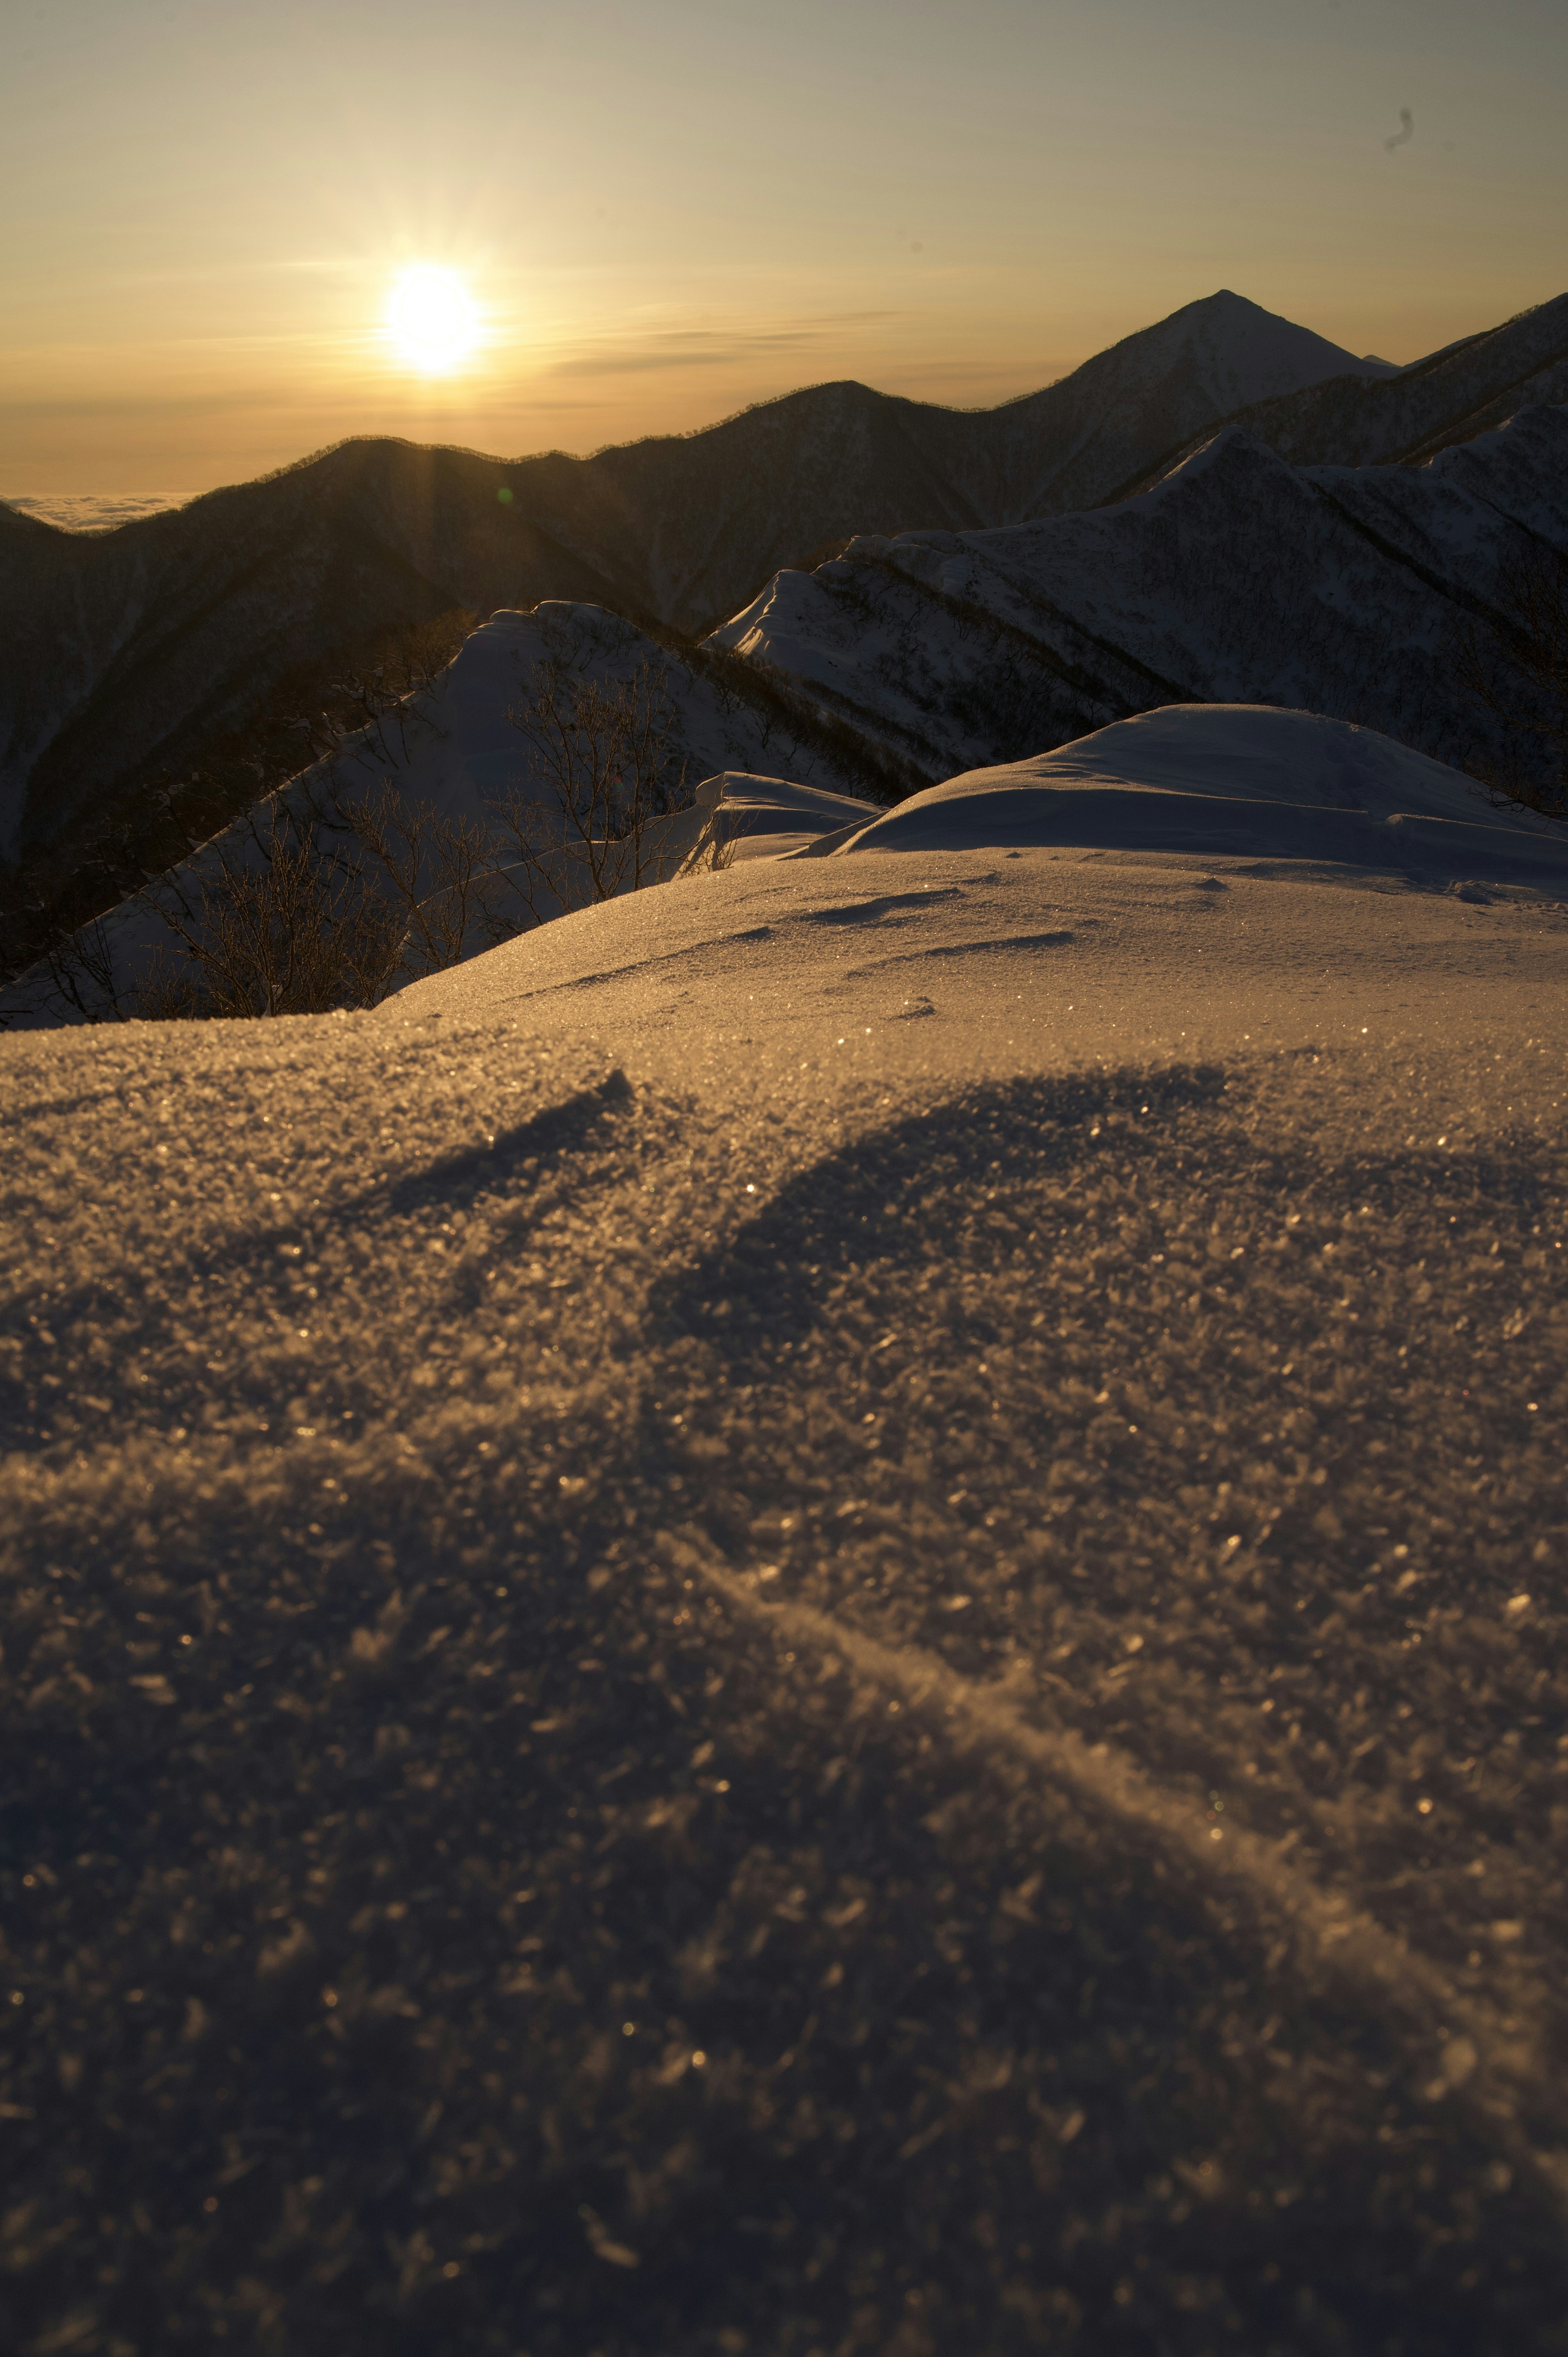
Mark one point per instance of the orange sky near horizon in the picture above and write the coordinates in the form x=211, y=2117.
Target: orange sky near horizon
x=663, y=213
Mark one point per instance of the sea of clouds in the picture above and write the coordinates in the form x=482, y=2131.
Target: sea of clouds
x=94, y=510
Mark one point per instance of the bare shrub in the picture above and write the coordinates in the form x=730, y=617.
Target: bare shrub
x=377, y=696
x=606, y=756
x=227, y=766
x=714, y=848
x=438, y=872
x=295, y=930
x=81, y=969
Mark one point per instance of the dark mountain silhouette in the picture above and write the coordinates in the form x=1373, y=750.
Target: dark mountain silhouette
x=1451, y=396
x=165, y=644
x=180, y=650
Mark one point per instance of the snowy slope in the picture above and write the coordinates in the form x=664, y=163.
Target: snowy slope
x=1224, y=841
x=1237, y=578
x=455, y=752
x=826, y=1612
x=1468, y=388
x=1081, y=440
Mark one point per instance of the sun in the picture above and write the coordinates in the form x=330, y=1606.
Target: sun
x=433, y=320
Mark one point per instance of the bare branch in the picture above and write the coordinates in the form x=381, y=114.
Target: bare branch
x=605, y=754
x=295, y=930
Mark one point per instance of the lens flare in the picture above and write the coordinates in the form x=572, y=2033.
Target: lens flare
x=434, y=323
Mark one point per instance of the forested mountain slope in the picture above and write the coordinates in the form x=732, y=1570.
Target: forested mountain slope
x=1351, y=591
x=188, y=638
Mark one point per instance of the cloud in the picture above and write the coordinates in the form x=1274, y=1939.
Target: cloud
x=96, y=512
x=635, y=363
x=1406, y=129
x=677, y=347
x=131, y=405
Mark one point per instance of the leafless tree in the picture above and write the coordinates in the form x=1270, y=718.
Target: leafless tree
x=438, y=872
x=1517, y=676
x=81, y=969
x=606, y=756
x=286, y=929
x=379, y=698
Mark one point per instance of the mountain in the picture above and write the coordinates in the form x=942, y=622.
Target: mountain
x=1239, y=578
x=184, y=640
x=1350, y=593
x=453, y=751
x=1406, y=416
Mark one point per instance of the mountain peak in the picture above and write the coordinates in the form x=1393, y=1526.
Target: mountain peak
x=1250, y=354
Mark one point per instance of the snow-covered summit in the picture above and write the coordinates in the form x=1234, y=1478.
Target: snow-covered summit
x=1238, y=352
x=1375, y=415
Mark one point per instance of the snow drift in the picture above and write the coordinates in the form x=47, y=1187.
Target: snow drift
x=1232, y=780
x=765, y=1625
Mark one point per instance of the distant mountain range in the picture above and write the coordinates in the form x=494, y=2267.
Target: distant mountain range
x=186, y=642
x=146, y=647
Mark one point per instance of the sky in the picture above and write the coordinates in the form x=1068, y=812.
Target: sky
x=661, y=210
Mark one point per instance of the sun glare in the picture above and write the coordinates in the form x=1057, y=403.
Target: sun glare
x=434, y=323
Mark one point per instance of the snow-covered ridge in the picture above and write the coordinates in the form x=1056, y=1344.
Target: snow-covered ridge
x=128, y=652
x=454, y=752
x=1237, y=579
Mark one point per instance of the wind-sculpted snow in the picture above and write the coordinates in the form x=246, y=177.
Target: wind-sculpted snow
x=1232, y=780
x=1248, y=753
x=799, y=1684
x=766, y=818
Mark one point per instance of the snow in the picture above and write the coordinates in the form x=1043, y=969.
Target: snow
x=1053, y=945
x=1237, y=578
x=763, y=818
x=1231, y=778
x=455, y=751
x=823, y=1611
x=1241, y=353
